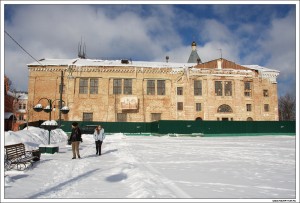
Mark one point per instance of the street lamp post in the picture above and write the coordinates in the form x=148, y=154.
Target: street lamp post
x=51, y=125
x=61, y=88
x=48, y=109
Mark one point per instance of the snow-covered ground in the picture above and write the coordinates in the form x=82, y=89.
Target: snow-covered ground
x=258, y=168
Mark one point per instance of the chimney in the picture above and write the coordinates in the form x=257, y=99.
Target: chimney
x=219, y=64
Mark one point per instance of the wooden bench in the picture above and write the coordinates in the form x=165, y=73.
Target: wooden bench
x=15, y=155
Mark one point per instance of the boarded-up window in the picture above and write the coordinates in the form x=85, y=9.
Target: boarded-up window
x=121, y=117
x=155, y=116
x=266, y=107
x=87, y=117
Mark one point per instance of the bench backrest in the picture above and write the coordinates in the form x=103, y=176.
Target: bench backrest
x=15, y=150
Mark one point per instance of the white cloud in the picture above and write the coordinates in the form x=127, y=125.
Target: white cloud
x=213, y=30
x=280, y=41
x=145, y=33
x=218, y=36
x=212, y=51
x=277, y=50
x=54, y=31
x=179, y=54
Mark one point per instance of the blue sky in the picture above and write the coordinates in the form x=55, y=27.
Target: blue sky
x=261, y=34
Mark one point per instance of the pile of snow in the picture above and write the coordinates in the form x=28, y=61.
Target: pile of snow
x=65, y=108
x=33, y=137
x=38, y=106
x=52, y=122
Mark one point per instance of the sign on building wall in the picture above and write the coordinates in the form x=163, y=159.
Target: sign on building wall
x=129, y=103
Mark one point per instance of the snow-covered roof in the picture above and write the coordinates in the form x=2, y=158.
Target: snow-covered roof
x=53, y=62
x=99, y=62
x=260, y=68
x=18, y=95
x=23, y=96
x=128, y=63
x=11, y=93
x=21, y=111
x=7, y=115
x=271, y=74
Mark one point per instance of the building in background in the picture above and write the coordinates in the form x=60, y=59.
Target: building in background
x=9, y=117
x=21, y=107
x=15, y=107
x=141, y=91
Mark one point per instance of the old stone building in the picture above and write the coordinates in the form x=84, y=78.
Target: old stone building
x=139, y=91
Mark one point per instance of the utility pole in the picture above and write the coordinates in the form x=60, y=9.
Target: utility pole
x=61, y=88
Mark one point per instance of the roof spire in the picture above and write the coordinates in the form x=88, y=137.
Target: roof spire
x=81, y=50
x=221, y=52
x=194, y=57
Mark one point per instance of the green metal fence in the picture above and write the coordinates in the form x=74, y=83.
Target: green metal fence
x=114, y=127
x=205, y=128
x=211, y=128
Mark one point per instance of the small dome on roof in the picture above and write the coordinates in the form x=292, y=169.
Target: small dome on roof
x=194, y=43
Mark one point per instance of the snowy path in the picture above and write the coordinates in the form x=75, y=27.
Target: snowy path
x=163, y=167
x=68, y=178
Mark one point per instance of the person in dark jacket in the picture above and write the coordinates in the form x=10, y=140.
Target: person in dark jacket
x=75, y=138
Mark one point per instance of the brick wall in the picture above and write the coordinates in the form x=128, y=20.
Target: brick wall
x=105, y=105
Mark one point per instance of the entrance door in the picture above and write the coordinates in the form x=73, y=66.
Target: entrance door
x=225, y=119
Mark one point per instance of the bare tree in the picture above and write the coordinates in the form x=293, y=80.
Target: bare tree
x=9, y=83
x=287, y=108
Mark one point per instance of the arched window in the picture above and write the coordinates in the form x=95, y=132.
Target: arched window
x=249, y=119
x=224, y=108
x=198, y=119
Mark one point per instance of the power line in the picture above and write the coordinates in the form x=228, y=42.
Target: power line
x=22, y=47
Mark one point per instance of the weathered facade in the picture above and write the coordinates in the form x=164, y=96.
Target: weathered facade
x=134, y=91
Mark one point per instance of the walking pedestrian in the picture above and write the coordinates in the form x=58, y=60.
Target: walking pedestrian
x=75, y=139
x=99, y=136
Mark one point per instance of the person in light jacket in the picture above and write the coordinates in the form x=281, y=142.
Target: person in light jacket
x=99, y=137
